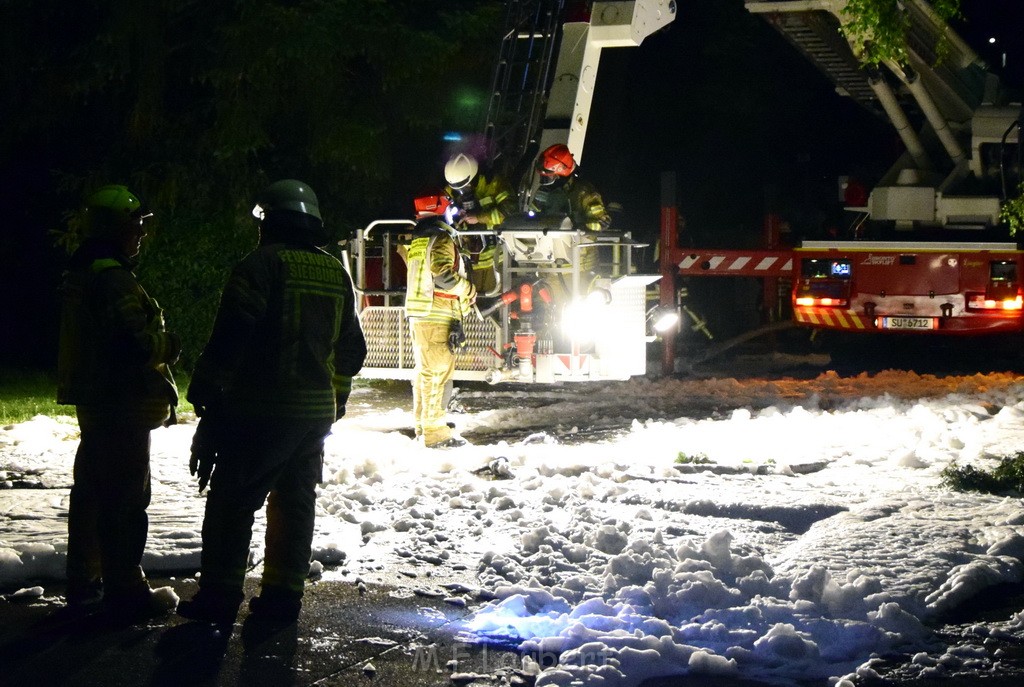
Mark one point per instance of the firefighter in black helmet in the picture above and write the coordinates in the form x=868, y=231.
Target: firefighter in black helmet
x=273, y=378
x=114, y=367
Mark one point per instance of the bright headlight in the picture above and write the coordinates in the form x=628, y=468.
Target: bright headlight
x=663, y=321
x=581, y=318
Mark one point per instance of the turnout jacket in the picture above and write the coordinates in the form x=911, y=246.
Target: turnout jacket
x=494, y=201
x=578, y=200
x=286, y=341
x=494, y=204
x=437, y=289
x=114, y=353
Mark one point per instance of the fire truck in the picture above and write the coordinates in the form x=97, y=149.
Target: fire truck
x=925, y=253
x=571, y=307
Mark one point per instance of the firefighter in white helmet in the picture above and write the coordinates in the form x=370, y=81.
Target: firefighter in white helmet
x=482, y=202
x=438, y=298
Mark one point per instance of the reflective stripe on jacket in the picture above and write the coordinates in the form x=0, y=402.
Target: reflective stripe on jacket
x=437, y=289
x=286, y=340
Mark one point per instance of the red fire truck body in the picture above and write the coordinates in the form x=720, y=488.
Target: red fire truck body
x=943, y=288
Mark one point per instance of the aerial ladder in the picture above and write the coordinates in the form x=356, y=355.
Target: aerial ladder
x=521, y=82
x=546, y=71
x=962, y=160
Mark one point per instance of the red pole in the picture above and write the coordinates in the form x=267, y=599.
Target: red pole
x=667, y=265
x=770, y=285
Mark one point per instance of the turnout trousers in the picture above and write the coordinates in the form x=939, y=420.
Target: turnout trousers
x=262, y=459
x=107, y=521
x=435, y=365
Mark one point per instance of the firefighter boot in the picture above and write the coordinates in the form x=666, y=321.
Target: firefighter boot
x=277, y=605
x=212, y=605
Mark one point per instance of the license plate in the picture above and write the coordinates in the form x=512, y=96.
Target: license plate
x=909, y=323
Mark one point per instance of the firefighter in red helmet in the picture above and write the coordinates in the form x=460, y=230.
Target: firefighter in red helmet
x=563, y=192
x=439, y=296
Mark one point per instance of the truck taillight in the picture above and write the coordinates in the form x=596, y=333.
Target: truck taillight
x=824, y=282
x=811, y=301
x=1002, y=291
x=979, y=301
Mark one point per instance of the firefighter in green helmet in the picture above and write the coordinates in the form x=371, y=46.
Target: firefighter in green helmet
x=270, y=384
x=114, y=367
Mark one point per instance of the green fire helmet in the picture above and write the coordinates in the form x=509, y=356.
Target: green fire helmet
x=287, y=194
x=110, y=209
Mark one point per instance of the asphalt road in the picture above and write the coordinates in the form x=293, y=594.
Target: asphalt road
x=346, y=635
x=379, y=635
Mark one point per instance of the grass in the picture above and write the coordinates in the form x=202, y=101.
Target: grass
x=27, y=393
x=699, y=459
x=1005, y=479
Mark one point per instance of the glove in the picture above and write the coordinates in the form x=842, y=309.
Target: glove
x=456, y=337
x=342, y=388
x=340, y=400
x=203, y=395
x=204, y=452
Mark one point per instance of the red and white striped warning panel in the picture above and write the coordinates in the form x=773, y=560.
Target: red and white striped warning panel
x=737, y=263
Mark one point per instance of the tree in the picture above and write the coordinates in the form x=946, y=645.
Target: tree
x=1012, y=212
x=878, y=28
x=198, y=105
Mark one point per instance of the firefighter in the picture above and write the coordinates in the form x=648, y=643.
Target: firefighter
x=274, y=377
x=438, y=298
x=114, y=367
x=480, y=201
x=576, y=203
x=562, y=192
